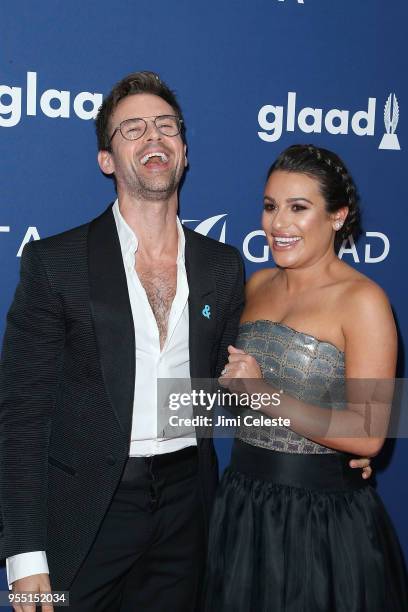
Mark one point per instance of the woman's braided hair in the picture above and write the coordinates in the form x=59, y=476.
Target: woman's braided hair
x=336, y=184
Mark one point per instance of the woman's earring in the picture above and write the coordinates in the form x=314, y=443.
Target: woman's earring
x=338, y=225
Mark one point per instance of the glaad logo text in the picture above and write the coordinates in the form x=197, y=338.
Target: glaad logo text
x=254, y=246
x=255, y=249
x=53, y=103
x=272, y=120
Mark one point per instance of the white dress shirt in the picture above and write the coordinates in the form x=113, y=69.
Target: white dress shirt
x=152, y=363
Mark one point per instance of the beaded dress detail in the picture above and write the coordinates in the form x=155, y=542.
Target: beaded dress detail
x=302, y=366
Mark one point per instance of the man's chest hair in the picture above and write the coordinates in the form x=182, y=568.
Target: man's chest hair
x=160, y=284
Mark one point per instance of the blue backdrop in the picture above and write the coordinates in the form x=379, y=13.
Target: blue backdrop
x=252, y=78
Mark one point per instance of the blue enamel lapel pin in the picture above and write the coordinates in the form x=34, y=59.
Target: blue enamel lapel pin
x=206, y=311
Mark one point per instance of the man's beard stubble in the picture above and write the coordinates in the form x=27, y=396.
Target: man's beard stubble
x=154, y=188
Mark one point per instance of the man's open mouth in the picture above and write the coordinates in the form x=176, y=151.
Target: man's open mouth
x=156, y=156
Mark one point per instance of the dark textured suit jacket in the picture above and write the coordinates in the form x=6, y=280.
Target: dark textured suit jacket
x=67, y=384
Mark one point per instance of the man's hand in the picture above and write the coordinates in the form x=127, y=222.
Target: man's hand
x=364, y=464
x=38, y=583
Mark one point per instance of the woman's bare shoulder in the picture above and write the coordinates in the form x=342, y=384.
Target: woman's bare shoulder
x=259, y=279
x=366, y=309
x=360, y=290
x=352, y=288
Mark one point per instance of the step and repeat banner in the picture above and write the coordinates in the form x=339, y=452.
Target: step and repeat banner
x=252, y=78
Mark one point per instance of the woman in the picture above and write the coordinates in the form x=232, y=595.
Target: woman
x=294, y=528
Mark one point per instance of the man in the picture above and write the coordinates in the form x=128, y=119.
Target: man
x=102, y=311
x=94, y=499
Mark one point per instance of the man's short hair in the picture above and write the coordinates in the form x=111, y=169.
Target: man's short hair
x=134, y=83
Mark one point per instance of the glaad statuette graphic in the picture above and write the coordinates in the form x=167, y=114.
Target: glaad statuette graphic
x=391, y=116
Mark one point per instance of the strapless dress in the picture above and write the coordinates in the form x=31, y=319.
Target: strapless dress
x=294, y=528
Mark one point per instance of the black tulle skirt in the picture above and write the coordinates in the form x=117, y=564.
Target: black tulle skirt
x=301, y=533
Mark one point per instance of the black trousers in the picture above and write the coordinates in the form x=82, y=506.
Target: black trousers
x=149, y=554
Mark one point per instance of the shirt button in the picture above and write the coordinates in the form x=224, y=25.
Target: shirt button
x=110, y=460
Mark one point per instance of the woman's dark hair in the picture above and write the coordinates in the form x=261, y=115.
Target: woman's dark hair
x=336, y=184
x=134, y=83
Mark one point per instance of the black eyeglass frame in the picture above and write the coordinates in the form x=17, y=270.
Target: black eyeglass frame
x=152, y=118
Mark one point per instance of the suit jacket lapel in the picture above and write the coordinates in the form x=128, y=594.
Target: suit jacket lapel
x=112, y=316
x=202, y=306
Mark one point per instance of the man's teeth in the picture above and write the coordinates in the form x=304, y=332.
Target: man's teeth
x=282, y=240
x=148, y=156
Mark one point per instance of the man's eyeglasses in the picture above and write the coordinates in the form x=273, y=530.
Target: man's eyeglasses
x=132, y=129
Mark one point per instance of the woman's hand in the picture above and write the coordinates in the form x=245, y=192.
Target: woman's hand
x=240, y=367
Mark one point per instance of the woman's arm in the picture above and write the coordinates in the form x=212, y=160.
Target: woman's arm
x=370, y=358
